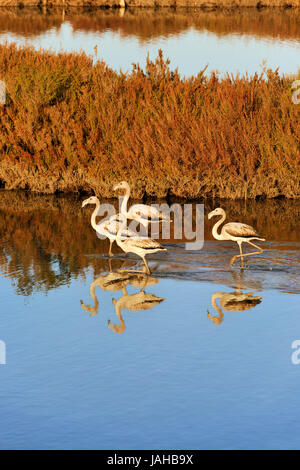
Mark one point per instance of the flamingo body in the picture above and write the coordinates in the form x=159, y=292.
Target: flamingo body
x=140, y=212
x=139, y=246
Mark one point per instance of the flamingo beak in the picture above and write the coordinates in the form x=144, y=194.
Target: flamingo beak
x=210, y=215
x=85, y=203
x=116, y=187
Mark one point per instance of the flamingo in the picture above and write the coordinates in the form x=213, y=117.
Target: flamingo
x=113, y=281
x=237, y=232
x=107, y=228
x=140, y=212
x=139, y=246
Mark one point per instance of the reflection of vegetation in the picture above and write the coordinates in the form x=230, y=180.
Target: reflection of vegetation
x=236, y=137
x=46, y=238
x=148, y=23
x=28, y=21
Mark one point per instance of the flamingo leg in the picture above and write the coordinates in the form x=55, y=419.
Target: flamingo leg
x=241, y=255
x=216, y=320
x=144, y=285
x=247, y=254
x=121, y=269
x=110, y=253
x=147, y=266
x=137, y=271
x=255, y=246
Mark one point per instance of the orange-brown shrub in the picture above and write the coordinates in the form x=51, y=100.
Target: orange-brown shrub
x=69, y=125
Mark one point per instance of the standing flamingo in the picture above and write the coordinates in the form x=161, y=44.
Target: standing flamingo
x=139, y=246
x=108, y=228
x=237, y=232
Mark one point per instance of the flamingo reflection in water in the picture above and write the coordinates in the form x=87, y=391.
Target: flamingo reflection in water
x=113, y=281
x=134, y=302
x=118, y=280
x=232, y=302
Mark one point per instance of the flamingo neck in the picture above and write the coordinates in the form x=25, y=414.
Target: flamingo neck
x=118, y=308
x=216, y=306
x=115, y=327
x=93, y=295
x=120, y=229
x=125, y=202
x=214, y=298
x=215, y=233
x=94, y=215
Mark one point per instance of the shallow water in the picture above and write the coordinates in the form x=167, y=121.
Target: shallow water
x=203, y=362
x=227, y=41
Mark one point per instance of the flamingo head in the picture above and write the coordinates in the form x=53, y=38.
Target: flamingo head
x=122, y=185
x=90, y=200
x=218, y=211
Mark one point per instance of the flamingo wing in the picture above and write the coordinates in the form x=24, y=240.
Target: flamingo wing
x=145, y=212
x=113, y=226
x=146, y=302
x=237, y=229
x=144, y=243
x=244, y=304
x=101, y=229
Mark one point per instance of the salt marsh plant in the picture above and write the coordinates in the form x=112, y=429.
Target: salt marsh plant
x=71, y=125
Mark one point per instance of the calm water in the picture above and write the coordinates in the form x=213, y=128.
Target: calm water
x=199, y=356
x=236, y=41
